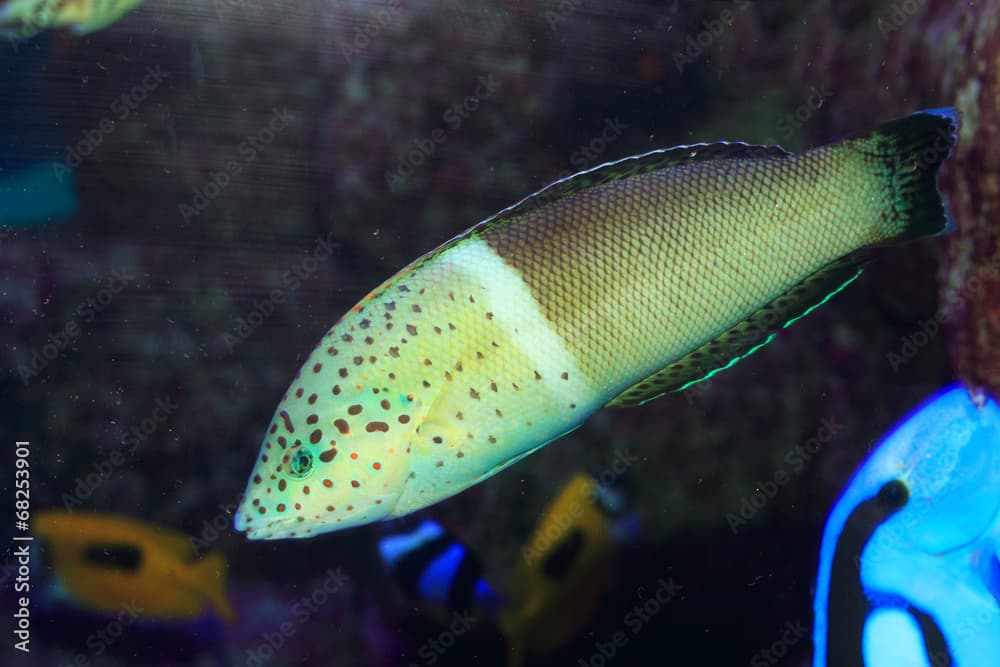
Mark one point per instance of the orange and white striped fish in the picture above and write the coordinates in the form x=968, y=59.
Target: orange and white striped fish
x=26, y=18
x=608, y=288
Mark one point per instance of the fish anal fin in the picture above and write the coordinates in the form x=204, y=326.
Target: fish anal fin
x=749, y=335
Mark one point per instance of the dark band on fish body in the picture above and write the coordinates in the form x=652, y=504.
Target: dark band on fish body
x=411, y=566
x=848, y=603
x=591, y=257
x=560, y=560
x=629, y=248
x=934, y=641
x=125, y=557
x=590, y=237
x=461, y=593
x=461, y=590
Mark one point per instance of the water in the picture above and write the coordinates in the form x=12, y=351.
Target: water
x=191, y=197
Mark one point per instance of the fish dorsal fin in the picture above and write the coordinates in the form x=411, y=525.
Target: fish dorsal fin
x=610, y=172
x=602, y=174
x=749, y=335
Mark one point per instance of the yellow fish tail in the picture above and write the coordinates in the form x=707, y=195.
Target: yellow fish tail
x=210, y=575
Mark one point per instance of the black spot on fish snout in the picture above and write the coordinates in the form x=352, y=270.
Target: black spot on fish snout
x=124, y=557
x=848, y=603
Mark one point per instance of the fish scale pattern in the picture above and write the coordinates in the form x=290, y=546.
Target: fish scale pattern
x=636, y=273
x=607, y=288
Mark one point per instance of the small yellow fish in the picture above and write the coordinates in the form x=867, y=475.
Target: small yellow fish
x=607, y=288
x=26, y=18
x=104, y=562
x=563, y=572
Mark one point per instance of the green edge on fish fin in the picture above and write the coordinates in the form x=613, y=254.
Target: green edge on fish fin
x=610, y=172
x=749, y=335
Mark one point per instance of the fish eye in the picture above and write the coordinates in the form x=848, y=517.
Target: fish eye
x=300, y=464
x=893, y=495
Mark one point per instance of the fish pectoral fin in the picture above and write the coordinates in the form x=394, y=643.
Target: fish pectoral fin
x=749, y=335
x=506, y=464
x=503, y=465
x=433, y=432
x=210, y=577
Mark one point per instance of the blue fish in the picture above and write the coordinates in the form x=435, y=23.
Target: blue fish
x=908, y=573
x=430, y=564
x=37, y=180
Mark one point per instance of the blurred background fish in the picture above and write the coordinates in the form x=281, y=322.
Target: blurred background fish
x=102, y=562
x=430, y=564
x=26, y=18
x=908, y=571
x=565, y=567
x=562, y=573
x=32, y=191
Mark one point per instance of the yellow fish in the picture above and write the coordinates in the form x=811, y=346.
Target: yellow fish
x=607, y=288
x=104, y=562
x=563, y=572
x=26, y=18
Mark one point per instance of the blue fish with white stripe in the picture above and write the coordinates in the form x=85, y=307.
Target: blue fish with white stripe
x=909, y=573
x=430, y=564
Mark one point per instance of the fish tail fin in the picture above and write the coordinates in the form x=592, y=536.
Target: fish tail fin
x=210, y=573
x=912, y=148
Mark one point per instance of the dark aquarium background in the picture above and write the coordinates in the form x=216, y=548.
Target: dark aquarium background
x=192, y=195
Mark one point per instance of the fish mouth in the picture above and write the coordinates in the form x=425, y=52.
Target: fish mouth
x=245, y=521
x=240, y=521
x=273, y=529
x=257, y=527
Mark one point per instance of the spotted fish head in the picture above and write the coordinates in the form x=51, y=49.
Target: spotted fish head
x=337, y=452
